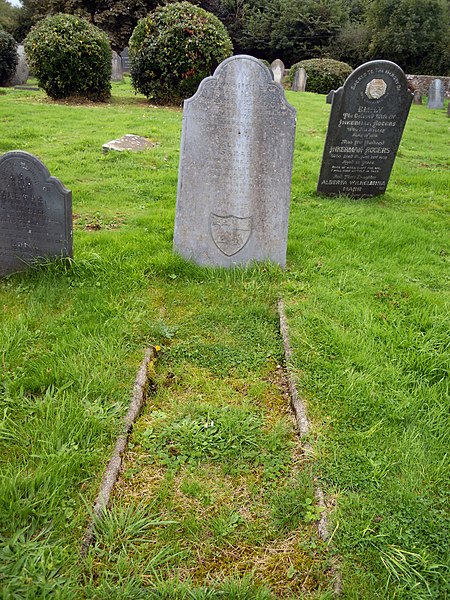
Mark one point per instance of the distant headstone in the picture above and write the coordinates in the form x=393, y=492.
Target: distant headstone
x=131, y=142
x=299, y=83
x=235, y=168
x=367, y=119
x=125, y=60
x=329, y=97
x=22, y=71
x=417, y=99
x=278, y=70
x=35, y=213
x=116, y=67
x=448, y=109
x=436, y=94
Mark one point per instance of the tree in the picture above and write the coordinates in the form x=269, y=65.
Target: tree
x=412, y=33
x=7, y=16
x=117, y=18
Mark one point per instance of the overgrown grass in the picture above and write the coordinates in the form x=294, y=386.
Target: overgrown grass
x=366, y=289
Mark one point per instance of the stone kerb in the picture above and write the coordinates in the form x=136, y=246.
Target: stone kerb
x=35, y=213
x=235, y=168
x=367, y=119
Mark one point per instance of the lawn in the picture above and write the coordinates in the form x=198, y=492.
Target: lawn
x=216, y=496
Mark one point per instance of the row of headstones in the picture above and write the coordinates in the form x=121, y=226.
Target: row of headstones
x=235, y=170
x=436, y=93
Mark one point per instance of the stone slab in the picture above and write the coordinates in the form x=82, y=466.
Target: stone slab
x=278, y=70
x=22, y=70
x=116, y=67
x=367, y=119
x=436, y=95
x=235, y=168
x=299, y=83
x=125, y=57
x=35, y=213
x=130, y=142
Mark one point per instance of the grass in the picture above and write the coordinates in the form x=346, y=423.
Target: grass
x=215, y=499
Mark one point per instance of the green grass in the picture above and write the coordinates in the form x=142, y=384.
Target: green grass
x=214, y=500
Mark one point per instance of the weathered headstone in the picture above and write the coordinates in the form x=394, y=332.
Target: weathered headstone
x=116, y=67
x=278, y=70
x=367, y=119
x=417, y=99
x=125, y=60
x=299, y=83
x=235, y=168
x=22, y=71
x=35, y=213
x=436, y=94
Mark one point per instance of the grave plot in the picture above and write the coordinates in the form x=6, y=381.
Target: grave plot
x=216, y=489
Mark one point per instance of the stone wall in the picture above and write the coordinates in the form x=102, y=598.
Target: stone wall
x=422, y=83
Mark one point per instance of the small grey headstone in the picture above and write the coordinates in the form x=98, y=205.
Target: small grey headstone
x=417, y=97
x=436, y=94
x=278, y=70
x=299, y=83
x=131, y=142
x=35, y=213
x=22, y=71
x=116, y=70
x=125, y=60
x=235, y=168
x=330, y=96
x=367, y=119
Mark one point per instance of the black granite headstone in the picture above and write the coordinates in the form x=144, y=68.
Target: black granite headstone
x=367, y=119
x=35, y=213
x=125, y=60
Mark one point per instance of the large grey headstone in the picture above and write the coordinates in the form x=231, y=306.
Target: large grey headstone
x=116, y=67
x=22, y=71
x=35, y=213
x=299, y=83
x=367, y=119
x=436, y=94
x=278, y=70
x=125, y=60
x=235, y=168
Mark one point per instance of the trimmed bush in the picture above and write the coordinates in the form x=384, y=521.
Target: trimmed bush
x=324, y=74
x=173, y=49
x=70, y=57
x=8, y=57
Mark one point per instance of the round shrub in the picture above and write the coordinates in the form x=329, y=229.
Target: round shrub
x=8, y=57
x=70, y=57
x=324, y=74
x=173, y=49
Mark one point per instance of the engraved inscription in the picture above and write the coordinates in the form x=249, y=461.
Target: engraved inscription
x=366, y=124
x=35, y=213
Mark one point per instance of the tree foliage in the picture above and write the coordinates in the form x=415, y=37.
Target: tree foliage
x=70, y=57
x=174, y=48
x=412, y=33
x=8, y=57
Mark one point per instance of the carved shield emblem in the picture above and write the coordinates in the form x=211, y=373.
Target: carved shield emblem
x=230, y=234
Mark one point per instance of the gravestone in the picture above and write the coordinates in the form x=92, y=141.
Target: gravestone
x=22, y=71
x=436, y=94
x=35, y=213
x=417, y=99
x=329, y=97
x=235, y=169
x=367, y=118
x=125, y=60
x=116, y=67
x=278, y=70
x=299, y=83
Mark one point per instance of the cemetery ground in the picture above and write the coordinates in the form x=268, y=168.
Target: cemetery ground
x=216, y=497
